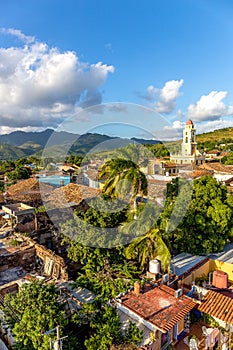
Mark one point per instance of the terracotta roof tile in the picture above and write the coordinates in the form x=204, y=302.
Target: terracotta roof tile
x=217, y=305
x=71, y=193
x=217, y=167
x=159, y=306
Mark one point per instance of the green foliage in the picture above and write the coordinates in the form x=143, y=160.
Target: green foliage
x=158, y=150
x=14, y=242
x=74, y=159
x=149, y=247
x=227, y=160
x=207, y=224
x=2, y=186
x=124, y=179
x=133, y=335
x=32, y=311
x=98, y=226
x=10, y=152
x=20, y=173
x=200, y=280
x=105, y=212
x=107, y=273
x=209, y=320
x=106, y=327
x=40, y=209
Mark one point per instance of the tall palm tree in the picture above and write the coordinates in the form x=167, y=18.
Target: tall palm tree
x=149, y=247
x=123, y=178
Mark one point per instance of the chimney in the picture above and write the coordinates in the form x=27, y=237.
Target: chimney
x=137, y=288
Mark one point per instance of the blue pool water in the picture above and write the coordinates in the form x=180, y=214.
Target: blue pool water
x=55, y=180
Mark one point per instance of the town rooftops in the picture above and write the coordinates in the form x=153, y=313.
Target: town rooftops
x=217, y=305
x=184, y=263
x=71, y=193
x=158, y=306
x=217, y=167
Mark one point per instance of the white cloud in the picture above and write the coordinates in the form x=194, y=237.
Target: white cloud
x=210, y=107
x=173, y=131
x=151, y=92
x=16, y=32
x=40, y=86
x=165, y=98
x=214, y=125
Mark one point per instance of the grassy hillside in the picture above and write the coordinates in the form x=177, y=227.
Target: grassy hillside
x=8, y=152
x=219, y=136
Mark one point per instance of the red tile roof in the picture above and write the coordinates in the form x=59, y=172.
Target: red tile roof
x=217, y=305
x=159, y=306
x=217, y=167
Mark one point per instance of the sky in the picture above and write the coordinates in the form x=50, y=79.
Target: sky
x=155, y=63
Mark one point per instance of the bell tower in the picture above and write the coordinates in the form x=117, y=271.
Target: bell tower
x=189, y=145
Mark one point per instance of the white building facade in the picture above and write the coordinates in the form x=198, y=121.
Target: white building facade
x=189, y=153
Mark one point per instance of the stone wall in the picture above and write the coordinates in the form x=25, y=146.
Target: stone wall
x=27, y=255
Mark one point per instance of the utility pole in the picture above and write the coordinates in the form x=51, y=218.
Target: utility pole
x=58, y=342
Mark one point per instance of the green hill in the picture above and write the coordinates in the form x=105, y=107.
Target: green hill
x=219, y=136
x=8, y=152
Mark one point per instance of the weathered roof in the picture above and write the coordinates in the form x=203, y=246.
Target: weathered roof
x=217, y=305
x=159, y=306
x=185, y=262
x=217, y=167
x=28, y=190
x=71, y=193
x=225, y=256
x=214, y=151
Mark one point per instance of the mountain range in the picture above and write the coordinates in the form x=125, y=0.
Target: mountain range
x=19, y=144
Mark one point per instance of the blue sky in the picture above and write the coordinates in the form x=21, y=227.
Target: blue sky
x=172, y=56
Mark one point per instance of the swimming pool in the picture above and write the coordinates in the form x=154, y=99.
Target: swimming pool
x=55, y=180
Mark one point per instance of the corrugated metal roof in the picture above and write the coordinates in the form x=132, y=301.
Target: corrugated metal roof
x=183, y=262
x=225, y=256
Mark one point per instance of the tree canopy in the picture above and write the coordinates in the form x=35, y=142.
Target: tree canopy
x=32, y=311
x=207, y=224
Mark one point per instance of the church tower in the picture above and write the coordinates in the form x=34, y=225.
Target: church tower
x=189, y=153
x=189, y=145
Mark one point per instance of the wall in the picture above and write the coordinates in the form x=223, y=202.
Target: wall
x=204, y=269
x=54, y=265
x=22, y=256
x=222, y=266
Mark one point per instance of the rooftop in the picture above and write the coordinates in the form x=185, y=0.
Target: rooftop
x=159, y=306
x=225, y=256
x=217, y=167
x=71, y=193
x=217, y=305
x=185, y=262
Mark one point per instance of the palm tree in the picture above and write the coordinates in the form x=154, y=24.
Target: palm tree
x=123, y=179
x=149, y=247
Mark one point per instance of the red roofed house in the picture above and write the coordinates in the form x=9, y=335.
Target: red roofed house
x=161, y=312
